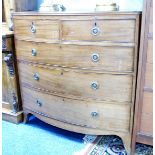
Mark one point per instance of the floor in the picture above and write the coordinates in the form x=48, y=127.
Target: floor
x=39, y=138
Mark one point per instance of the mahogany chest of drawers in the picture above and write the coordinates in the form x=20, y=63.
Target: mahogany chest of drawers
x=78, y=70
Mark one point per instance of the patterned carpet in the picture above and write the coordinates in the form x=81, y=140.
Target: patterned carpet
x=109, y=145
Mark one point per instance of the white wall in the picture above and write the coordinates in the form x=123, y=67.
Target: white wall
x=124, y=5
x=130, y=5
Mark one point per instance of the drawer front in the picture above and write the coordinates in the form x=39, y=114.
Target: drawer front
x=77, y=84
x=37, y=30
x=73, y=56
x=149, y=75
x=146, y=125
x=147, y=107
x=150, y=51
x=89, y=114
x=99, y=30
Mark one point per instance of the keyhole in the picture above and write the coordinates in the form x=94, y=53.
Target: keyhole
x=95, y=24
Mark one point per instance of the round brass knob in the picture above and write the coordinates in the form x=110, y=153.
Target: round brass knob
x=36, y=76
x=95, y=57
x=34, y=52
x=33, y=28
x=39, y=103
x=95, y=85
x=94, y=114
x=95, y=31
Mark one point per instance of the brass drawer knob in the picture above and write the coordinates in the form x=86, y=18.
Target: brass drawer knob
x=95, y=85
x=36, y=76
x=95, y=31
x=33, y=28
x=94, y=114
x=39, y=103
x=95, y=57
x=34, y=52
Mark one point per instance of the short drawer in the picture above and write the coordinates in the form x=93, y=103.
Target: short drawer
x=150, y=51
x=89, y=114
x=115, y=58
x=36, y=30
x=77, y=84
x=99, y=30
x=147, y=107
x=146, y=126
x=149, y=75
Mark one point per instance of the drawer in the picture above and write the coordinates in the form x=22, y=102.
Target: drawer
x=151, y=20
x=146, y=126
x=150, y=51
x=147, y=107
x=149, y=75
x=77, y=84
x=99, y=30
x=89, y=114
x=37, y=30
x=74, y=56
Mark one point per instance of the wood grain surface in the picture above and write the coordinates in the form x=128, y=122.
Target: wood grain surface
x=77, y=84
x=110, y=30
x=143, y=121
x=63, y=63
x=5, y=82
x=116, y=58
x=79, y=112
x=45, y=29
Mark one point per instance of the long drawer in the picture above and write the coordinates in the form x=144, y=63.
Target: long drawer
x=77, y=84
x=75, y=56
x=89, y=114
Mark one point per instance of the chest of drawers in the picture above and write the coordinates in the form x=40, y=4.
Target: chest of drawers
x=78, y=70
